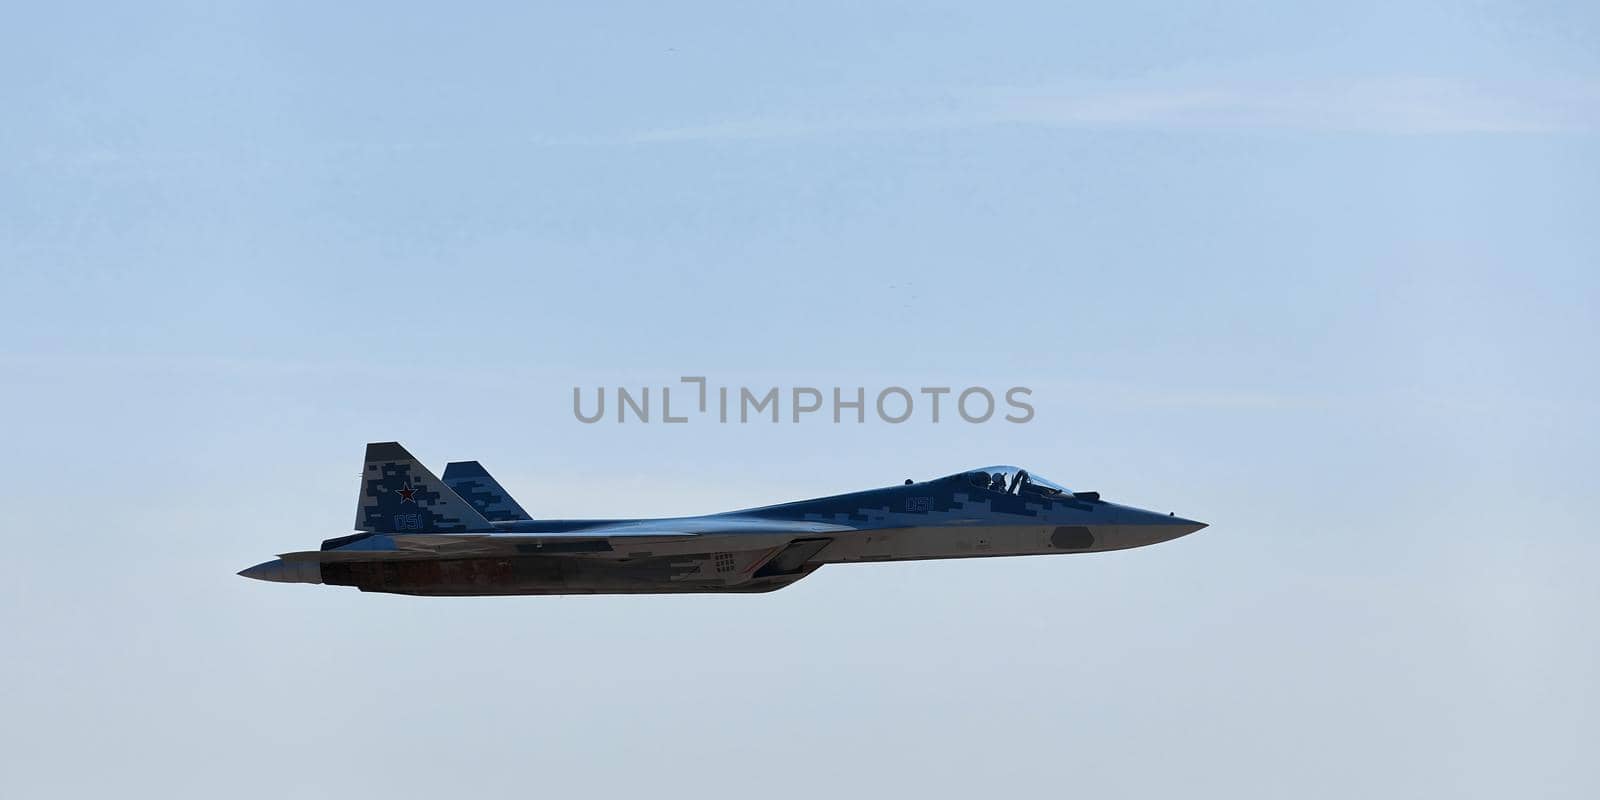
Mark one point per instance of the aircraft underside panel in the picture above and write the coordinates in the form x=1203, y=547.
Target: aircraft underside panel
x=915, y=544
x=728, y=571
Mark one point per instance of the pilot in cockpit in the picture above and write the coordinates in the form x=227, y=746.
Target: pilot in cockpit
x=1015, y=481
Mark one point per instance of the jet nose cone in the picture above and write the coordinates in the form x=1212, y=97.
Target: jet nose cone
x=1160, y=527
x=1183, y=527
x=279, y=571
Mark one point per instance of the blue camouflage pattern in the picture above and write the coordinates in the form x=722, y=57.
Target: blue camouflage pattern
x=476, y=486
x=399, y=494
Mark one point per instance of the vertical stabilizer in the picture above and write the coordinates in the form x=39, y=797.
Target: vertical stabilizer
x=476, y=486
x=398, y=494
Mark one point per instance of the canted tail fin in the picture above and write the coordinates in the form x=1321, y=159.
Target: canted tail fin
x=398, y=494
x=476, y=486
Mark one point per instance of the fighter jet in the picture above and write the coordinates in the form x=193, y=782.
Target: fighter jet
x=464, y=535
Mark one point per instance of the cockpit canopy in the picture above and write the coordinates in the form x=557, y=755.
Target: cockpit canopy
x=1014, y=480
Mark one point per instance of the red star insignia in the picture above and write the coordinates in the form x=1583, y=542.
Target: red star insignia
x=406, y=495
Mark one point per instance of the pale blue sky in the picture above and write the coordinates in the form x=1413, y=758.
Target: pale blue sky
x=1322, y=276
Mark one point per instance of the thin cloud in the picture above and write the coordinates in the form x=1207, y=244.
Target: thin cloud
x=1405, y=106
